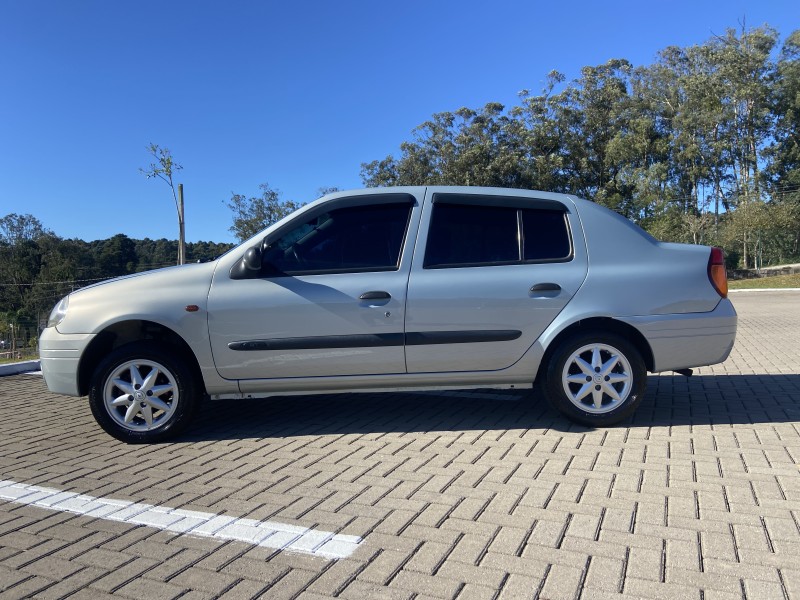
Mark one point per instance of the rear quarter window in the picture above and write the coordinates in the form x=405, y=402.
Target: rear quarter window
x=546, y=235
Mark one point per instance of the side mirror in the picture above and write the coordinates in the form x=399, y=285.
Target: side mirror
x=252, y=259
x=250, y=264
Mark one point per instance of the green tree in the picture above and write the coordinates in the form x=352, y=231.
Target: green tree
x=678, y=146
x=62, y=267
x=205, y=251
x=325, y=190
x=746, y=70
x=784, y=153
x=20, y=259
x=251, y=215
x=116, y=256
x=677, y=99
x=466, y=147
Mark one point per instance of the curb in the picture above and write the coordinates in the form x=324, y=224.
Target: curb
x=765, y=290
x=19, y=367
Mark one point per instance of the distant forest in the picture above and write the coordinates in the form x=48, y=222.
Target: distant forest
x=37, y=267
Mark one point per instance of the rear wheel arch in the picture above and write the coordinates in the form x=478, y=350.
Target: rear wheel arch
x=594, y=377
x=126, y=332
x=602, y=325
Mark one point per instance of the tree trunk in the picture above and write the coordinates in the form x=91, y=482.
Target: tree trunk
x=744, y=250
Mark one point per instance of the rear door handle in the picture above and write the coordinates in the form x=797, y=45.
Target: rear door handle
x=375, y=296
x=546, y=287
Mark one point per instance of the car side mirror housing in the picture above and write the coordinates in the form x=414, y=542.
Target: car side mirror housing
x=249, y=266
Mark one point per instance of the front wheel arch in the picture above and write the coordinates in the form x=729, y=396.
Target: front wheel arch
x=142, y=393
x=126, y=332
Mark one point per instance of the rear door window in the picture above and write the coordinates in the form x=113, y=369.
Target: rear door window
x=470, y=234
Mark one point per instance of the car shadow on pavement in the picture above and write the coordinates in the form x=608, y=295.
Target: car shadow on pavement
x=670, y=401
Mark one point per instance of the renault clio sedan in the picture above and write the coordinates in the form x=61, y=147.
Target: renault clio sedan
x=399, y=288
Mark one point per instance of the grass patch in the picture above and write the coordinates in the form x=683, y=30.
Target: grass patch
x=760, y=283
x=27, y=355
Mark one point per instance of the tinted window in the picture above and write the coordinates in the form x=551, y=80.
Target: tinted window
x=545, y=235
x=471, y=235
x=361, y=238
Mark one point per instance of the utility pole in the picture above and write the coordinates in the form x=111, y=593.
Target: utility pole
x=181, y=228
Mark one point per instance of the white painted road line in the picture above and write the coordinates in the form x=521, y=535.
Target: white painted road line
x=258, y=533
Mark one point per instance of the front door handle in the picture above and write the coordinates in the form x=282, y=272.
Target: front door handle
x=546, y=287
x=375, y=296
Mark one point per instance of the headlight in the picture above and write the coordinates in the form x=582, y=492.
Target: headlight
x=58, y=313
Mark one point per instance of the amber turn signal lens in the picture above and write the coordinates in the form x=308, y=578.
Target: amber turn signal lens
x=716, y=272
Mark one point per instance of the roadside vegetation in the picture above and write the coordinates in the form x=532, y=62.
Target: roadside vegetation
x=777, y=281
x=5, y=358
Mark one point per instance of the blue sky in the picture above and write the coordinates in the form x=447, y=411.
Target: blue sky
x=297, y=94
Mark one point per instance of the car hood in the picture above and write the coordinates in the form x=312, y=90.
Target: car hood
x=154, y=274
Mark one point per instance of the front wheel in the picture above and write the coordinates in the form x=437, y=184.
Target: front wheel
x=595, y=378
x=141, y=394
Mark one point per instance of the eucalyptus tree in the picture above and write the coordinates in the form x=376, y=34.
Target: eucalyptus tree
x=745, y=70
x=675, y=99
x=251, y=215
x=785, y=149
x=679, y=145
x=640, y=151
x=464, y=147
x=548, y=133
x=596, y=107
x=784, y=152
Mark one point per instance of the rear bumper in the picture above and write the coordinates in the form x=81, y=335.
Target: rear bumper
x=682, y=341
x=60, y=356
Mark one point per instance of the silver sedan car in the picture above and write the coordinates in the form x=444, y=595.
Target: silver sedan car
x=399, y=288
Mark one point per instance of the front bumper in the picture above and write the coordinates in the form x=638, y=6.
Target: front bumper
x=60, y=356
x=682, y=341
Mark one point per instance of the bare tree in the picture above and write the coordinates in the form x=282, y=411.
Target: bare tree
x=163, y=168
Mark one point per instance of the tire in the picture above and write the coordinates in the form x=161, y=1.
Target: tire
x=142, y=393
x=595, y=378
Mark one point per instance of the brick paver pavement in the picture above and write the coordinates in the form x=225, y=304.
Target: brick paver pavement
x=456, y=495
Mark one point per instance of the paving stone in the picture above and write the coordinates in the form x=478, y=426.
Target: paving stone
x=10, y=577
x=455, y=494
x=246, y=589
x=51, y=567
x=563, y=582
x=68, y=586
x=119, y=577
x=147, y=588
x=254, y=570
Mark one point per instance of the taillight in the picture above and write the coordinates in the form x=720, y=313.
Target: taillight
x=716, y=272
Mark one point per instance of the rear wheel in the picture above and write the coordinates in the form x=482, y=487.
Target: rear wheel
x=595, y=378
x=139, y=393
